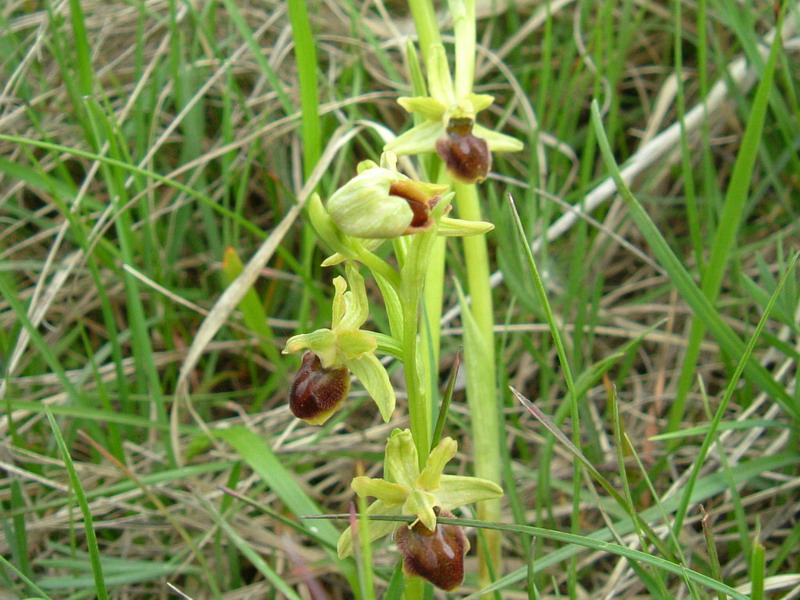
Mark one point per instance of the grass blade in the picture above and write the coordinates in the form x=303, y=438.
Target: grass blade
x=723, y=405
x=448, y=396
x=757, y=568
x=684, y=283
x=274, y=473
x=77, y=488
x=553, y=429
x=711, y=549
x=729, y=222
x=25, y=579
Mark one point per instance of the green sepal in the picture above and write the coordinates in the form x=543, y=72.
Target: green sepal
x=367, y=245
x=427, y=107
x=377, y=529
x=460, y=228
x=417, y=140
x=386, y=491
x=497, y=142
x=365, y=165
x=479, y=102
x=325, y=227
x=458, y=490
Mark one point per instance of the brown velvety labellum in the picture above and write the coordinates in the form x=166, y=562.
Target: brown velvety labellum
x=437, y=556
x=467, y=157
x=417, y=200
x=316, y=392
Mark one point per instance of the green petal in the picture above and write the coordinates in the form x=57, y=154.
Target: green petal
x=456, y=490
x=377, y=529
x=498, y=142
x=479, y=101
x=434, y=465
x=400, y=462
x=321, y=342
x=417, y=140
x=385, y=491
x=373, y=376
x=429, y=108
x=338, y=305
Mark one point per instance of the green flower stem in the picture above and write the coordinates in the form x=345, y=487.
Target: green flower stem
x=379, y=266
x=432, y=305
x=418, y=400
x=432, y=313
x=463, y=13
x=484, y=410
x=412, y=280
x=427, y=30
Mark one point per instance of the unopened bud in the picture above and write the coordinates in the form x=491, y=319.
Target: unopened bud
x=380, y=203
x=437, y=556
x=316, y=392
x=466, y=157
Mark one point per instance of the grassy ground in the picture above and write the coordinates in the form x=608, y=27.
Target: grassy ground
x=140, y=141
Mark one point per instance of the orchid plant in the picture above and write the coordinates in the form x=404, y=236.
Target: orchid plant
x=379, y=204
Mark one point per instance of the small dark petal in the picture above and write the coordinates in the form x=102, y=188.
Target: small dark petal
x=437, y=556
x=467, y=157
x=316, y=393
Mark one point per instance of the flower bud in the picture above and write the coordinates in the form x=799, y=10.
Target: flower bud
x=316, y=392
x=365, y=208
x=380, y=203
x=467, y=157
x=437, y=556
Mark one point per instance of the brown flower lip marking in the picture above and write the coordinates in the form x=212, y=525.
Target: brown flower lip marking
x=420, y=202
x=467, y=157
x=437, y=556
x=316, y=392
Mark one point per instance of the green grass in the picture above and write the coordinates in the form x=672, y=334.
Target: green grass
x=154, y=155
